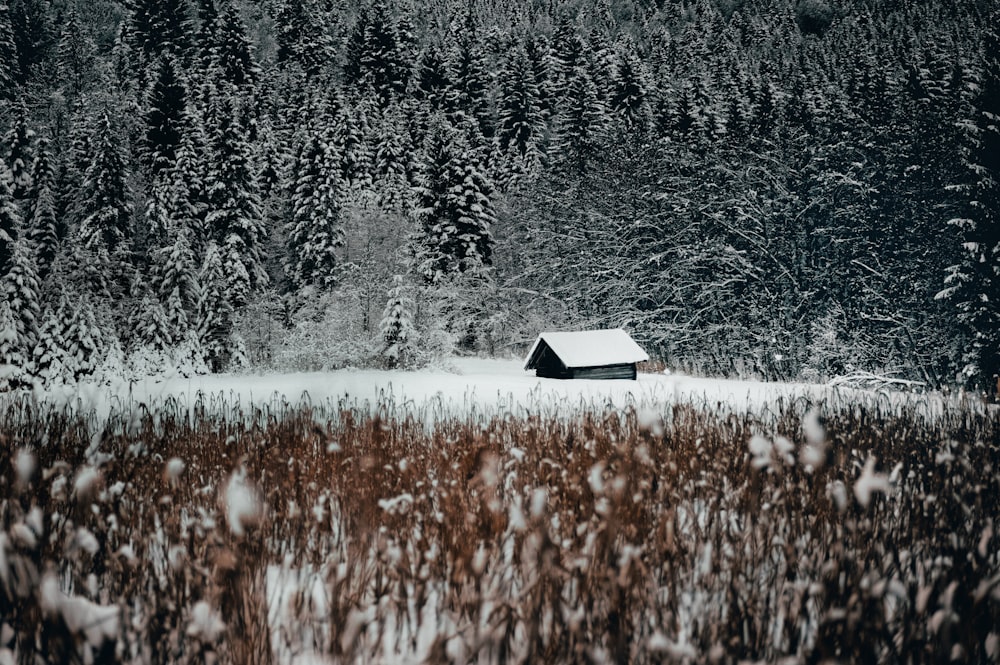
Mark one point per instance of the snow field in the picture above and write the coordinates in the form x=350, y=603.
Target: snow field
x=467, y=387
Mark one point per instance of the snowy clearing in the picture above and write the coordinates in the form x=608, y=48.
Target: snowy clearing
x=471, y=386
x=466, y=385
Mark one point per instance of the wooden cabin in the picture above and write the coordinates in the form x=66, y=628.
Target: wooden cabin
x=585, y=354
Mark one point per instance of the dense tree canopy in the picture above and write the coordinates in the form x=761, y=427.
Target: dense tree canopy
x=772, y=187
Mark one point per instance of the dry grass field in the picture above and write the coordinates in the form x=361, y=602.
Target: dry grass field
x=808, y=534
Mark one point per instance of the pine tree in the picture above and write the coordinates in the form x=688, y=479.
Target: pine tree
x=974, y=284
x=521, y=121
x=454, y=212
x=19, y=143
x=315, y=230
x=397, y=329
x=174, y=286
x=568, y=54
x=213, y=315
x=157, y=223
x=152, y=330
x=74, y=54
x=9, y=69
x=379, y=61
x=20, y=288
x=178, y=287
x=50, y=357
x=165, y=117
x=393, y=167
x=468, y=73
x=234, y=217
x=69, y=341
x=352, y=145
x=103, y=199
x=189, y=179
x=42, y=226
x=230, y=51
x=34, y=38
x=629, y=90
x=432, y=77
x=537, y=50
x=204, y=36
x=302, y=36
x=10, y=219
x=83, y=338
x=581, y=123
x=159, y=27
x=15, y=366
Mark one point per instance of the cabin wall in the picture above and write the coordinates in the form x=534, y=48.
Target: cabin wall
x=557, y=371
x=605, y=372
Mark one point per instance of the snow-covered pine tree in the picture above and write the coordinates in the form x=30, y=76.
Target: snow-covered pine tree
x=159, y=27
x=156, y=217
x=10, y=218
x=175, y=313
x=178, y=286
x=164, y=117
x=189, y=356
x=19, y=144
x=189, y=179
x=42, y=226
x=151, y=328
x=582, y=121
x=568, y=52
x=204, y=35
x=49, y=357
x=454, y=211
x=231, y=56
x=68, y=340
x=20, y=288
x=303, y=36
x=15, y=366
x=103, y=198
x=351, y=129
x=213, y=316
x=397, y=329
x=34, y=37
x=234, y=215
x=393, y=167
x=84, y=339
x=521, y=120
x=374, y=55
x=468, y=93
x=74, y=54
x=432, y=81
x=695, y=117
x=974, y=284
x=9, y=73
x=315, y=230
x=629, y=90
x=406, y=36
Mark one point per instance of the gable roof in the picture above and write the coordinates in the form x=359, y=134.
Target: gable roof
x=587, y=348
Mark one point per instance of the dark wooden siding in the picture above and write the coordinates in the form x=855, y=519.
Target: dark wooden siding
x=605, y=372
x=549, y=366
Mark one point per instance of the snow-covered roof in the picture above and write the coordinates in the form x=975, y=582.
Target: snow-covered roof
x=588, y=348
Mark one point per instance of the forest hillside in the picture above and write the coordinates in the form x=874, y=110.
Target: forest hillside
x=769, y=188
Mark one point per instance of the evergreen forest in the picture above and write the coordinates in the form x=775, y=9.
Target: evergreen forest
x=784, y=189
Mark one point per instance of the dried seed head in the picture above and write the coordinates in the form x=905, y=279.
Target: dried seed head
x=175, y=467
x=243, y=505
x=25, y=466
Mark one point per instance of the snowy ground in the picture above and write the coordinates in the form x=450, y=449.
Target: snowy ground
x=467, y=385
